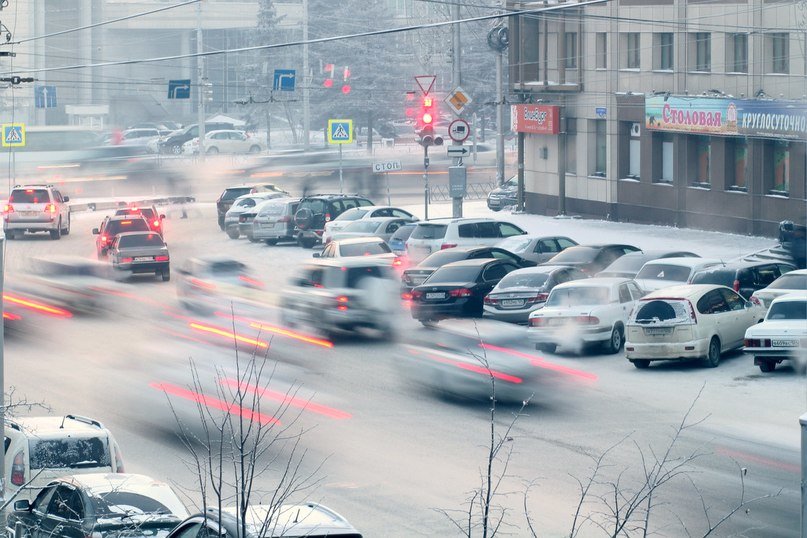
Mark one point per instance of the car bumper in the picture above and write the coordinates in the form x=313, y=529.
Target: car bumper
x=245, y=228
x=263, y=231
x=569, y=334
x=461, y=308
x=31, y=225
x=774, y=353
x=521, y=315
x=143, y=267
x=692, y=349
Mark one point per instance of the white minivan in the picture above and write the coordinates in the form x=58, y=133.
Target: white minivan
x=439, y=234
x=663, y=273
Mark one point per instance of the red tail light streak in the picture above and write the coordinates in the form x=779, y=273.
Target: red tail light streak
x=290, y=400
x=215, y=403
x=218, y=331
x=37, y=306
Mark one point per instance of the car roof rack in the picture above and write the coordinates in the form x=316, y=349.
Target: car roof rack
x=48, y=185
x=85, y=420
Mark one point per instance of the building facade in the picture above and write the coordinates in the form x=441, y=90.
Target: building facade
x=685, y=113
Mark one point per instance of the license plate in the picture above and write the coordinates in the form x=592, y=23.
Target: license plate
x=144, y=258
x=512, y=302
x=657, y=331
x=784, y=343
x=29, y=213
x=436, y=295
x=268, y=225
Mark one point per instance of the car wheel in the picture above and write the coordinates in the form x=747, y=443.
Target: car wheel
x=713, y=355
x=546, y=348
x=430, y=323
x=166, y=274
x=306, y=242
x=496, y=209
x=66, y=230
x=251, y=238
x=271, y=242
x=11, y=235
x=255, y=149
x=614, y=344
x=641, y=363
x=176, y=149
x=57, y=233
x=233, y=233
x=767, y=366
x=212, y=151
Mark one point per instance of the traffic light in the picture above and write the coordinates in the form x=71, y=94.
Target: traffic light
x=426, y=120
x=346, y=82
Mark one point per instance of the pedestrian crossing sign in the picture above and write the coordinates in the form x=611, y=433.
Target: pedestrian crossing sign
x=340, y=131
x=13, y=135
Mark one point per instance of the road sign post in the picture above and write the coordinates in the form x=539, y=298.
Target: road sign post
x=340, y=132
x=385, y=168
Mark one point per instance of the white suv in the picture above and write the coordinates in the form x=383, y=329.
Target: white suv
x=36, y=208
x=438, y=234
x=39, y=449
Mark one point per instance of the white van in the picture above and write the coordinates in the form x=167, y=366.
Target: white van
x=439, y=234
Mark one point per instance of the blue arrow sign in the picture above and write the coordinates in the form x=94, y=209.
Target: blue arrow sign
x=283, y=80
x=179, y=89
x=45, y=96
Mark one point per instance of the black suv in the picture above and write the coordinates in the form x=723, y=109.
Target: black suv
x=173, y=143
x=317, y=209
x=744, y=277
x=226, y=199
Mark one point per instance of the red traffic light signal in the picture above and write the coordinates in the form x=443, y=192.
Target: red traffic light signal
x=328, y=83
x=346, y=89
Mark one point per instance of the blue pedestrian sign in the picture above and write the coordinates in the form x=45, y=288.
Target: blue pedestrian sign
x=45, y=96
x=179, y=89
x=13, y=135
x=283, y=80
x=340, y=131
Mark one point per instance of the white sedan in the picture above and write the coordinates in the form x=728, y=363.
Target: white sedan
x=792, y=282
x=585, y=312
x=783, y=334
x=225, y=141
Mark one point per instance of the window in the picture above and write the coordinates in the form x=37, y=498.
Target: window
x=600, y=148
x=634, y=150
x=780, y=52
x=703, y=155
x=624, y=294
x=703, y=51
x=633, y=50
x=65, y=453
x=487, y=230
x=507, y=230
x=712, y=303
x=737, y=53
x=667, y=156
x=740, y=160
x=781, y=167
x=546, y=246
x=495, y=272
x=565, y=243
x=570, y=42
x=601, y=50
x=571, y=145
x=663, y=60
x=734, y=301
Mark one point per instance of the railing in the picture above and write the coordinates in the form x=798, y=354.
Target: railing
x=474, y=191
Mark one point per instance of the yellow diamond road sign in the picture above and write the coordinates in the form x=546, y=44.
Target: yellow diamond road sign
x=13, y=135
x=340, y=131
x=458, y=100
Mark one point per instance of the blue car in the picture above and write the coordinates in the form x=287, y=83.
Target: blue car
x=398, y=240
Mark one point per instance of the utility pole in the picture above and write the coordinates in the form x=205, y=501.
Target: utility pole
x=499, y=120
x=456, y=80
x=200, y=82
x=306, y=81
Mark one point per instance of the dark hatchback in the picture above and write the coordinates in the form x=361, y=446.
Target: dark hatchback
x=591, y=259
x=415, y=276
x=744, y=277
x=458, y=290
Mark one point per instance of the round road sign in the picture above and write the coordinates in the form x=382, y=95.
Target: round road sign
x=459, y=130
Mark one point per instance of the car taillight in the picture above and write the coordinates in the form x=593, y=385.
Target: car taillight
x=491, y=300
x=156, y=223
x=341, y=303
x=540, y=298
x=18, y=469
x=327, y=217
x=126, y=260
x=8, y=208
x=736, y=286
x=460, y=292
x=755, y=300
x=50, y=208
x=587, y=320
x=692, y=316
x=417, y=294
x=104, y=239
x=162, y=258
x=407, y=296
x=757, y=342
x=447, y=245
x=119, y=461
x=202, y=284
x=537, y=322
x=250, y=281
x=397, y=262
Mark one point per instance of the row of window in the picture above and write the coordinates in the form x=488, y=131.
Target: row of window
x=776, y=51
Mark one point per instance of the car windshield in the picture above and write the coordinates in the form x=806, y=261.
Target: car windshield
x=353, y=214
x=454, y=274
x=129, y=225
x=429, y=231
x=68, y=453
x=160, y=500
x=232, y=194
x=523, y=280
x=402, y=233
x=361, y=226
x=790, y=282
x=588, y=296
x=795, y=310
x=664, y=271
x=515, y=244
x=364, y=249
x=29, y=196
x=575, y=255
x=723, y=277
x=141, y=240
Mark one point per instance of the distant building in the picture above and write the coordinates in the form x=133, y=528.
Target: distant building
x=687, y=113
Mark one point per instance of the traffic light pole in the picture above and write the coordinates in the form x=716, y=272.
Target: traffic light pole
x=425, y=182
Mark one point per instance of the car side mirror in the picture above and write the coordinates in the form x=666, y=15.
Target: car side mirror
x=749, y=304
x=317, y=255
x=162, y=216
x=95, y=231
x=22, y=505
x=66, y=198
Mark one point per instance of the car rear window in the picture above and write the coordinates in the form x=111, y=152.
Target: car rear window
x=272, y=210
x=402, y=233
x=29, y=196
x=429, y=231
x=668, y=310
x=129, y=225
x=664, y=271
x=723, y=277
x=790, y=282
x=788, y=310
x=515, y=244
x=523, y=280
x=146, y=212
x=364, y=249
x=581, y=296
x=69, y=452
x=232, y=194
x=144, y=240
x=454, y=274
x=627, y=263
x=575, y=255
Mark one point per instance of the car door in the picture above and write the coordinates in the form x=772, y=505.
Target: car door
x=63, y=516
x=738, y=319
x=625, y=303
x=239, y=142
x=64, y=209
x=714, y=310
x=491, y=276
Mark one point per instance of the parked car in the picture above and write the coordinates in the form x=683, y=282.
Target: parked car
x=585, y=312
x=438, y=234
x=415, y=276
x=148, y=138
x=99, y=504
x=505, y=195
x=150, y=213
x=243, y=204
x=207, y=283
x=695, y=321
x=628, y=266
x=381, y=227
x=36, y=208
x=782, y=335
x=793, y=281
x=173, y=142
x=591, y=259
x=112, y=226
x=537, y=249
x=316, y=210
x=397, y=242
x=141, y=252
x=458, y=289
x=40, y=449
x=274, y=220
x=343, y=294
x=522, y=292
x=744, y=277
x=225, y=141
x=309, y=520
x=658, y=274
x=365, y=212
x=367, y=247
x=228, y=196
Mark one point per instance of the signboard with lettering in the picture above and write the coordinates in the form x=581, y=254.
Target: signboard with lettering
x=535, y=119
x=727, y=116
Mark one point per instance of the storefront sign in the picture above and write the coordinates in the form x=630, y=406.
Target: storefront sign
x=535, y=119
x=725, y=116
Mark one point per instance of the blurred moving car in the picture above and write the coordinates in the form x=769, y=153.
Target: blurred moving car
x=744, y=277
x=173, y=142
x=316, y=210
x=225, y=141
x=458, y=289
x=207, y=283
x=229, y=195
x=141, y=252
x=146, y=137
x=381, y=227
x=584, y=312
x=689, y=322
x=99, y=504
x=591, y=259
x=344, y=294
x=782, y=335
x=112, y=226
x=366, y=212
x=243, y=204
x=438, y=234
x=666, y=272
x=522, y=292
x=36, y=208
x=504, y=195
x=628, y=266
x=534, y=248
x=790, y=282
x=40, y=449
x=150, y=213
x=397, y=242
x=309, y=520
x=367, y=247
x=274, y=220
